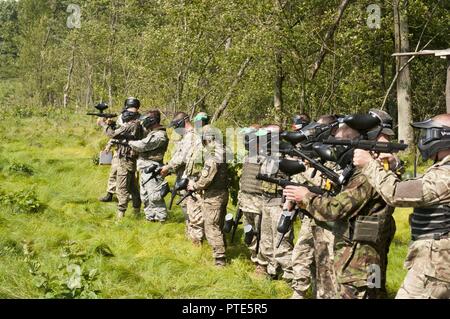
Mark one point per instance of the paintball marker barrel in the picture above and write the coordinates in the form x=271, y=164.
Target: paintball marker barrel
x=373, y=146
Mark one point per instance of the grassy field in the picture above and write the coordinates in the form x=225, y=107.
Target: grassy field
x=53, y=230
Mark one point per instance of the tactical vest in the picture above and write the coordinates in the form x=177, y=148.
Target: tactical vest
x=430, y=222
x=249, y=183
x=157, y=155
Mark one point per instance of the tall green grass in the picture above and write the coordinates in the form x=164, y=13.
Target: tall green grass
x=52, y=156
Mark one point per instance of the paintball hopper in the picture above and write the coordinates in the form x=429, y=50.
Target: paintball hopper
x=362, y=122
x=284, y=223
x=339, y=154
x=151, y=169
x=249, y=233
x=228, y=225
x=101, y=107
x=291, y=167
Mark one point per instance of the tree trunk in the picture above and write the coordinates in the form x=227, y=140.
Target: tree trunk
x=447, y=87
x=229, y=94
x=69, y=78
x=405, y=131
x=328, y=37
x=278, y=92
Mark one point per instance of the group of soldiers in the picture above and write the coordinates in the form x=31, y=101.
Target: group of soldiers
x=346, y=227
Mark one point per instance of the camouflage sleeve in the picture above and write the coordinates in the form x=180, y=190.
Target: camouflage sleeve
x=181, y=153
x=151, y=142
x=207, y=174
x=115, y=133
x=342, y=206
x=429, y=190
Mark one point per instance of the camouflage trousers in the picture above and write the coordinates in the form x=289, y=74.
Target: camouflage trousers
x=206, y=218
x=154, y=204
x=112, y=179
x=312, y=261
x=428, y=264
x=251, y=206
x=195, y=231
x=127, y=184
x=303, y=258
x=214, y=208
x=274, y=257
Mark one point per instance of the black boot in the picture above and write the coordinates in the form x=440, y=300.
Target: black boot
x=108, y=198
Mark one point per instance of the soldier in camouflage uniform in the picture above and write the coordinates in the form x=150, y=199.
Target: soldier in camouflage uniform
x=112, y=178
x=151, y=151
x=182, y=151
x=126, y=171
x=275, y=258
x=428, y=260
x=312, y=257
x=356, y=249
x=250, y=191
x=212, y=188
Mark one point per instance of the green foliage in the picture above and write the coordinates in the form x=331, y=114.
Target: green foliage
x=21, y=169
x=71, y=280
x=185, y=56
x=22, y=202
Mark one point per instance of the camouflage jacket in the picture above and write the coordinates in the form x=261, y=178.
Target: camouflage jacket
x=129, y=131
x=433, y=188
x=214, y=173
x=353, y=260
x=151, y=149
x=182, y=151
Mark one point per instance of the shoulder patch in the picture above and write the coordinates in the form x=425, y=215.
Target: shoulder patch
x=411, y=189
x=205, y=171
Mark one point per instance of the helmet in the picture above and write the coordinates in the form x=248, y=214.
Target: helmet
x=132, y=102
x=435, y=137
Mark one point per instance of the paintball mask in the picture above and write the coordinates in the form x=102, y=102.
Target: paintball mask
x=180, y=123
x=339, y=154
x=434, y=137
x=128, y=116
x=148, y=121
x=299, y=122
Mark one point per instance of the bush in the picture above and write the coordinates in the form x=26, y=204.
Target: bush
x=71, y=280
x=24, y=202
x=21, y=169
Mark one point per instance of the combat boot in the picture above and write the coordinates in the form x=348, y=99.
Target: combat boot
x=107, y=198
x=220, y=262
x=197, y=243
x=120, y=215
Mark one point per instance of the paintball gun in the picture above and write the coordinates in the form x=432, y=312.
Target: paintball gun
x=250, y=233
x=231, y=223
x=373, y=146
x=101, y=107
x=154, y=170
x=285, y=182
x=180, y=185
x=285, y=223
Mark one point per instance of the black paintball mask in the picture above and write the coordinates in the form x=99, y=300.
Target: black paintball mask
x=149, y=121
x=128, y=116
x=339, y=154
x=298, y=123
x=434, y=137
x=179, y=125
